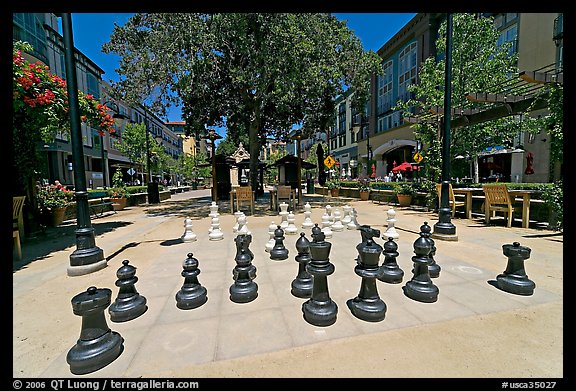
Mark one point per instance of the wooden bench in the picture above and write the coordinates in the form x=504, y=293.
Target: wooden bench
x=98, y=202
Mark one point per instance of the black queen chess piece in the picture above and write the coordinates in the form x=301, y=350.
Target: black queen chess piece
x=302, y=284
x=97, y=346
x=390, y=272
x=279, y=252
x=320, y=310
x=420, y=287
x=129, y=304
x=368, y=305
x=514, y=279
x=192, y=294
x=244, y=289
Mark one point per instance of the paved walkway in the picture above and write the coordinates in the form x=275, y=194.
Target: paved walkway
x=473, y=330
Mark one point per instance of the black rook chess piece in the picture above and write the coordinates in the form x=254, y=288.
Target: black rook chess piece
x=279, y=252
x=367, y=305
x=244, y=288
x=192, y=294
x=390, y=272
x=320, y=310
x=514, y=279
x=302, y=284
x=421, y=288
x=433, y=267
x=129, y=304
x=97, y=346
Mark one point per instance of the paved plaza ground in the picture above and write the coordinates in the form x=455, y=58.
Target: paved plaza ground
x=473, y=330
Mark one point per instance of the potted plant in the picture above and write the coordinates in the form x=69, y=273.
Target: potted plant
x=364, y=188
x=405, y=191
x=52, y=202
x=334, y=186
x=118, y=193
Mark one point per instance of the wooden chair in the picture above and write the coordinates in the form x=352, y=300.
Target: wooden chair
x=18, y=223
x=453, y=203
x=284, y=193
x=244, y=194
x=497, y=199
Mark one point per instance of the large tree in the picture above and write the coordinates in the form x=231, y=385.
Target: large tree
x=261, y=73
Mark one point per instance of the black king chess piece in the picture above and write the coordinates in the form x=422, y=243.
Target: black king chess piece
x=302, y=284
x=320, y=310
x=192, y=294
x=514, y=279
x=367, y=305
x=279, y=252
x=390, y=272
x=420, y=287
x=129, y=304
x=244, y=288
x=97, y=346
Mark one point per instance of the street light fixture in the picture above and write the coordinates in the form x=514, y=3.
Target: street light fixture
x=213, y=136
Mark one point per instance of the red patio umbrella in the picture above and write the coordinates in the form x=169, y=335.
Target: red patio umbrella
x=402, y=167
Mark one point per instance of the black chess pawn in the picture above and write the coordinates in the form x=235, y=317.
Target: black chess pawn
x=433, y=267
x=320, y=309
x=390, y=272
x=97, y=346
x=129, y=304
x=302, y=284
x=420, y=287
x=368, y=305
x=192, y=294
x=244, y=288
x=279, y=252
x=366, y=233
x=514, y=279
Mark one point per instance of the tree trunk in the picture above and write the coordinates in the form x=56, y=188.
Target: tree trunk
x=254, y=150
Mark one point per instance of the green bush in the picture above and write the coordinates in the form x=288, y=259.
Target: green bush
x=553, y=195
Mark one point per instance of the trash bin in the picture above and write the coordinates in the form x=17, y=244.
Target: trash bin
x=194, y=185
x=310, y=186
x=153, y=193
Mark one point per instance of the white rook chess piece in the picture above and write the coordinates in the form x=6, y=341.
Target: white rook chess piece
x=326, y=226
x=307, y=223
x=215, y=232
x=391, y=230
x=214, y=210
x=284, y=214
x=243, y=226
x=346, y=218
x=353, y=224
x=271, y=242
x=337, y=226
x=189, y=235
x=291, y=229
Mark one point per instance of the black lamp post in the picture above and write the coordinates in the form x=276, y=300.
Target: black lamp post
x=444, y=229
x=87, y=257
x=297, y=137
x=116, y=115
x=213, y=136
x=152, y=189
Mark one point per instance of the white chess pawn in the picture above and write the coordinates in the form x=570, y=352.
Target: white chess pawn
x=214, y=210
x=215, y=232
x=242, y=225
x=391, y=230
x=291, y=229
x=337, y=226
x=284, y=214
x=307, y=223
x=353, y=224
x=189, y=235
x=271, y=242
x=326, y=227
x=237, y=214
x=346, y=218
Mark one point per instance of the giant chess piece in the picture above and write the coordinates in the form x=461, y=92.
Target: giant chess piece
x=420, y=287
x=192, y=294
x=244, y=289
x=213, y=210
x=353, y=224
x=337, y=226
x=390, y=272
x=514, y=279
x=279, y=252
x=291, y=229
x=320, y=310
x=189, y=235
x=433, y=267
x=271, y=241
x=215, y=232
x=366, y=233
x=302, y=284
x=243, y=225
x=97, y=346
x=283, y=215
x=328, y=212
x=391, y=229
x=129, y=304
x=326, y=224
x=237, y=215
x=346, y=217
x=367, y=305
x=307, y=223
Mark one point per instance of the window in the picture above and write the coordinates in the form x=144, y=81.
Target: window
x=385, y=88
x=92, y=83
x=510, y=35
x=342, y=118
x=407, y=70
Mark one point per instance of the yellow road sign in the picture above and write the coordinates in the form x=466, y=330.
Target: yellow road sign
x=329, y=161
x=417, y=157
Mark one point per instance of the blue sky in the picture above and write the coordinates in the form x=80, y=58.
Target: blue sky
x=92, y=30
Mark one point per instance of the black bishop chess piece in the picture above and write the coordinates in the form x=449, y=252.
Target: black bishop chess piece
x=420, y=287
x=514, y=279
x=368, y=305
x=320, y=310
x=97, y=346
x=244, y=288
x=192, y=294
x=390, y=272
x=279, y=252
x=302, y=284
x=129, y=304
x=433, y=267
